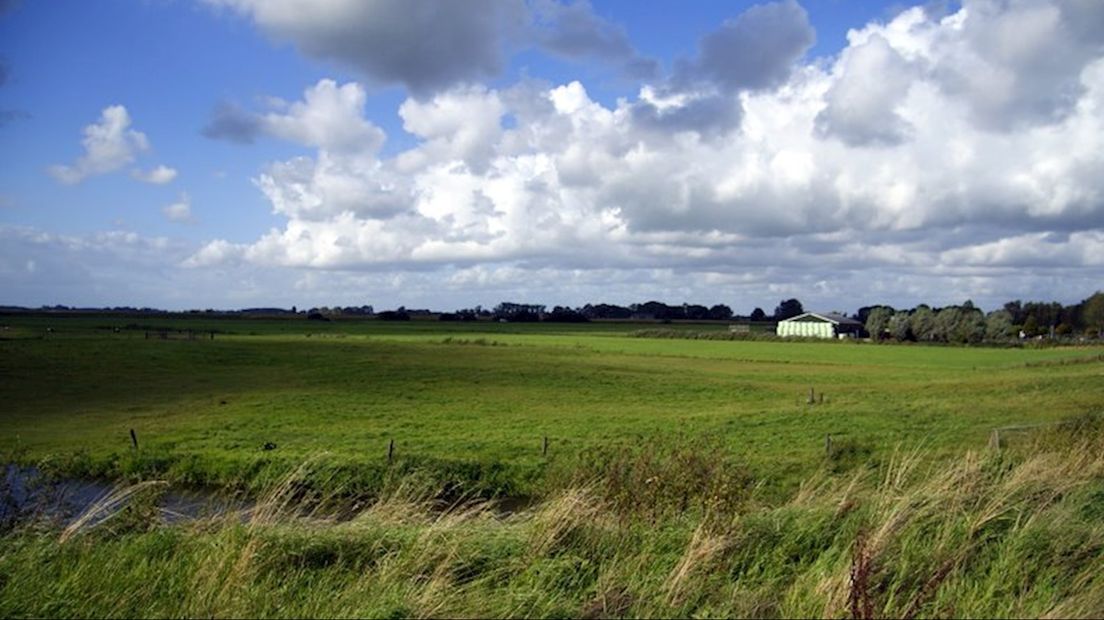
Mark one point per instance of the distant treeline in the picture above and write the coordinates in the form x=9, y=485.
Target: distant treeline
x=963, y=323
x=968, y=324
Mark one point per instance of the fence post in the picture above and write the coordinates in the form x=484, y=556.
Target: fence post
x=828, y=445
x=134, y=438
x=544, y=448
x=390, y=451
x=994, y=439
x=812, y=398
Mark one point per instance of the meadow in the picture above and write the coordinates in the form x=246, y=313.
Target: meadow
x=649, y=476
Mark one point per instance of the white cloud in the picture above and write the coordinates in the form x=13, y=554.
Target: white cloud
x=330, y=117
x=872, y=79
x=109, y=144
x=179, y=211
x=876, y=162
x=158, y=176
x=214, y=253
x=463, y=124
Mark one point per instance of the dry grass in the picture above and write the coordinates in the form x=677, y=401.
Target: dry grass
x=1008, y=534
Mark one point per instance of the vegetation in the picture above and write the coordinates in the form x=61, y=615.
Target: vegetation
x=1011, y=533
x=477, y=416
x=683, y=476
x=967, y=324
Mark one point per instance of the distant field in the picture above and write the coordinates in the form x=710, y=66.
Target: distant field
x=479, y=398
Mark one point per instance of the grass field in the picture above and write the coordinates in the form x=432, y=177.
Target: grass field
x=485, y=395
x=683, y=477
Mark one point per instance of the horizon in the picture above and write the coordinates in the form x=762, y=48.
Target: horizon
x=248, y=153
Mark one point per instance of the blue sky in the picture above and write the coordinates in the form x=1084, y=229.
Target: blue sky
x=344, y=153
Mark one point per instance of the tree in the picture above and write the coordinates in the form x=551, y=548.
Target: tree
x=695, y=312
x=720, y=312
x=877, y=321
x=899, y=326
x=788, y=309
x=922, y=323
x=1016, y=311
x=563, y=314
x=998, y=325
x=758, y=315
x=1031, y=327
x=863, y=314
x=606, y=311
x=1092, y=312
x=966, y=324
x=659, y=310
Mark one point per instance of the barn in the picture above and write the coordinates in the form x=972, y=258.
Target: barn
x=818, y=325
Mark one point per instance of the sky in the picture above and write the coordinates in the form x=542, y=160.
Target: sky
x=240, y=153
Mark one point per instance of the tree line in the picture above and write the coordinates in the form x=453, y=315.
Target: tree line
x=964, y=323
x=967, y=324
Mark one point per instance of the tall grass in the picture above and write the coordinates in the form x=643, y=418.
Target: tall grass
x=1011, y=533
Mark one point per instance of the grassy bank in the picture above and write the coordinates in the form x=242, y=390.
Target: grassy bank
x=1011, y=533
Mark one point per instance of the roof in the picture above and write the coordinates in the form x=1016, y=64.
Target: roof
x=831, y=317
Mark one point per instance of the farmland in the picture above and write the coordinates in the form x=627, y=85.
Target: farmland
x=489, y=393
x=642, y=434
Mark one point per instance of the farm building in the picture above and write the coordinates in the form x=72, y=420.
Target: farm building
x=815, y=325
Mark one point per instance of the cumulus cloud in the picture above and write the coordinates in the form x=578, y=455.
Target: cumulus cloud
x=109, y=144
x=346, y=175
x=463, y=124
x=157, y=176
x=179, y=211
x=872, y=80
x=430, y=46
x=873, y=162
x=754, y=51
x=575, y=31
x=330, y=117
x=1016, y=64
x=232, y=123
x=422, y=44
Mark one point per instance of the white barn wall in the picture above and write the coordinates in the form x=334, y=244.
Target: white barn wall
x=807, y=329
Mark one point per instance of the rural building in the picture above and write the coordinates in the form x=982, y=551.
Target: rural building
x=815, y=325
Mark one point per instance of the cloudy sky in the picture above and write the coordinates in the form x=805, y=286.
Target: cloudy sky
x=230, y=153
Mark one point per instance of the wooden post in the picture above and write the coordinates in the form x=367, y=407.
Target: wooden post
x=828, y=445
x=544, y=448
x=390, y=451
x=994, y=439
x=822, y=398
x=812, y=398
x=134, y=438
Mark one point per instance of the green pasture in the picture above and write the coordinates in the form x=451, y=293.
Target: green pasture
x=481, y=397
